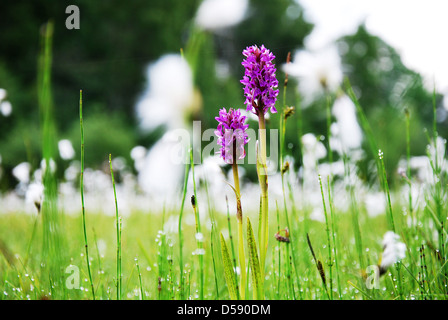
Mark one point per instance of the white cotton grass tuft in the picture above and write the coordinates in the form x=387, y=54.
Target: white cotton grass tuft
x=316, y=71
x=43, y=165
x=313, y=150
x=138, y=154
x=163, y=168
x=3, y=94
x=347, y=127
x=22, y=172
x=102, y=247
x=6, y=108
x=35, y=194
x=169, y=94
x=393, y=250
x=375, y=203
x=220, y=14
x=66, y=150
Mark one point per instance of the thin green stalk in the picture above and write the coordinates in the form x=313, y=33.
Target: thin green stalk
x=232, y=246
x=333, y=224
x=279, y=280
x=354, y=211
x=118, y=226
x=82, y=196
x=100, y=266
x=328, y=109
x=139, y=279
x=263, y=180
x=319, y=266
x=390, y=215
x=241, y=255
x=28, y=251
x=198, y=231
x=330, y=264
x=408, y=165
x=181, y=239
x=284, y=169
x=213, y=260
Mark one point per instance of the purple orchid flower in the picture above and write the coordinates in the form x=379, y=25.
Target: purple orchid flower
x=259, y=80
x=232, y=135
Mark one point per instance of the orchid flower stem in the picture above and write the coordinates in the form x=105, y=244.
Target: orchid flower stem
x=241, y=255
x=263, y=179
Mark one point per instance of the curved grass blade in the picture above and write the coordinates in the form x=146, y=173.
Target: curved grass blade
x=257, y=281
x=228, y=270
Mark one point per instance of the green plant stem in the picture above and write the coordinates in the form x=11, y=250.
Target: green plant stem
x=140, y=279
x=390, y=221
x=86, y=245
x=118, y=227
x=333, y=224
x=181, y=240
x=241, y=255
x=198, y=231
x=229, y=226
x=408, y=165
x=263, y=180
x=330, y=264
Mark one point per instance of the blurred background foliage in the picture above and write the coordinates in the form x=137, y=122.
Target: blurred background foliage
x=107, y=57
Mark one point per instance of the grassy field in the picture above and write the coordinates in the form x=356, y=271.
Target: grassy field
x=51, y=255
x=26, y=272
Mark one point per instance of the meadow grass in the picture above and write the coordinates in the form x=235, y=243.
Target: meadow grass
x=138, y=257
x=160, y=271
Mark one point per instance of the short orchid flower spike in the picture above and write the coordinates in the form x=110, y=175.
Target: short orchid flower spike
x=232, y=135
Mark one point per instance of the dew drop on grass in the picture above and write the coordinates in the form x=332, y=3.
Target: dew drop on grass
x=199, y=237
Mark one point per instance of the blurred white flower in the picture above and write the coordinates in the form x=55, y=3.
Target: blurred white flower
x=393, y=250
x=102, y=247
x=445, y=101
x=317, y=215
x=161, y=175
x=438, y=154
x=138, y=154
x=316, y=72
x=375, y=203
x=169, y=93
x=219, y=14
x=71, y=173
x=43, y=165
x=66, y=149
x=35, y=193
x=348, y=129
x=313, y=150
x=2, y=94
x=5, y=108
x=22, y=172
x=119, y=163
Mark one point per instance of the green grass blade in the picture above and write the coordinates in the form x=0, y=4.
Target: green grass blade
x=257, y=281
x=228, y=270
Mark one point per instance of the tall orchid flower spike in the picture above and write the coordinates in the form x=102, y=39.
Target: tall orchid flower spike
x=260, y=90
x=232, y=137
x=259, y=79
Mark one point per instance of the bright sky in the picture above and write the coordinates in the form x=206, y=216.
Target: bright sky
x=417, y=29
